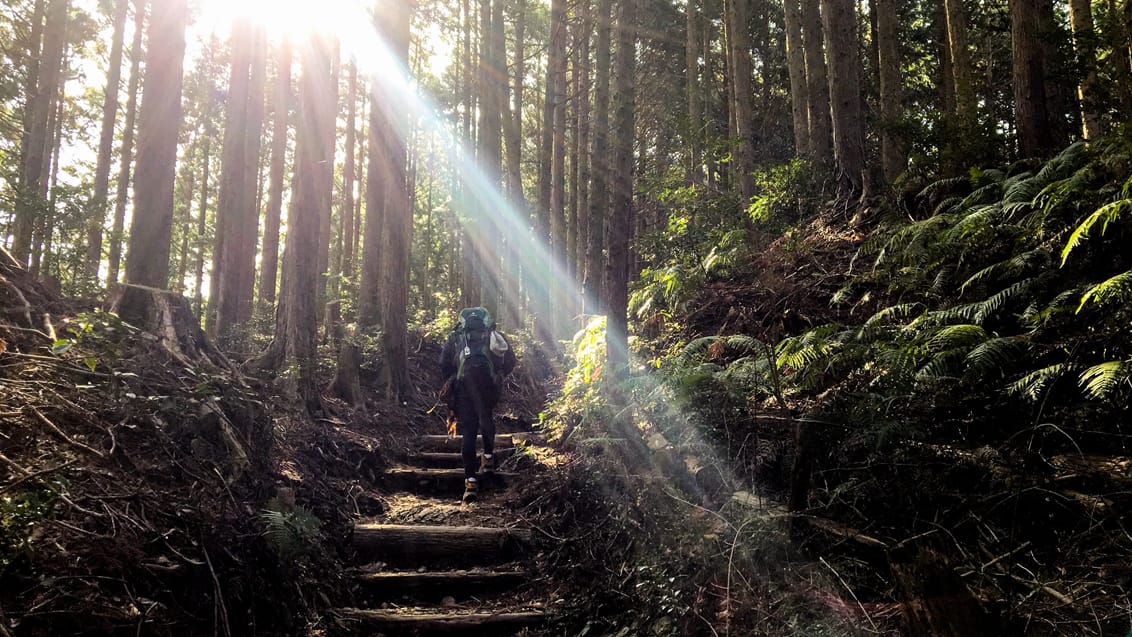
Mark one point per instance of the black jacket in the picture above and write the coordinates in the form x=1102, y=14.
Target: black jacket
x=448, y=362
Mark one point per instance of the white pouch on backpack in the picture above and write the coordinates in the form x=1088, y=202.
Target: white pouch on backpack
x=499, y=344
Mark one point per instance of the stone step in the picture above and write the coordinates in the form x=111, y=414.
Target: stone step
x=452, y=546
x=445, y=443
x=435, y=585
x=440, y=481
x=451, y=460
x=440, y=621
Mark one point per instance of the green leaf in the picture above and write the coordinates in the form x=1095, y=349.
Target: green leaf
x=91, y=362
x=60, y=346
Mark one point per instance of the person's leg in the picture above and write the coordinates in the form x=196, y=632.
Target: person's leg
x=467, y=426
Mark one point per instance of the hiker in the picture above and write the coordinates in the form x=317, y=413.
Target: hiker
x=474, y=361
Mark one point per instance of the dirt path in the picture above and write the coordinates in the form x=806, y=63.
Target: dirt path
x=432, y=565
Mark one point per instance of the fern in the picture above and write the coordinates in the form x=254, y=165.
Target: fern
x=995, y=354
x=1117, y=288
x=1031, y=385
x=956, y=336
x=892, y=314
x=1104, y=215
x=1100, y=381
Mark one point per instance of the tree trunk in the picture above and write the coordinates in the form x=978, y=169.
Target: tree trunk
x=346, y=221
x=817, y=84
x=796, y=67
x=894, y=155
x=739, y=38
x=621, y=217
x=557, y=64
x=594, y=277
x=582, y=100
x=961, y=68
x=202, y=221
x=158, y=125
x=296, y=318
x=398, y=216
x=692, y=88
x=118, y=226
x=369, y=289
x=269, y=257
x=513, y=141
x=1117, y=37
x=188, y=184
x=1085, y=44
x=33, y=176
x=106, y=143
x=840, y=21
x=1031, y=107
x=237, y=214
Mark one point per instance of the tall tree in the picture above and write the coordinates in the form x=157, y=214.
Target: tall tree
x=621, y=208
x=41, y=105
x=1085, y=44
x=889, y=64
x=692, y=90
x=369, y=287
x=796, y=68
x=117, y=226
x=839, y=19
x=398, y=211
x=817, y=83
x=237, y=216
x=106, y=141
x=296, y=325
x=594, y=276
x=582, y=101
x=742, y=95
x=1031, y=105
x=281, y=105
x=158, y=125
x=959, y=56
x=349, y=178
x=1117, y=37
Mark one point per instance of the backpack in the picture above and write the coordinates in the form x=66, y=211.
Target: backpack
x=479, y=348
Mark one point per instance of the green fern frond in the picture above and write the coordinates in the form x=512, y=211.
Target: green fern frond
x=1117, y=288
x=1032, y=384
x=978, y=218
x=745, y=344
x=1021, y=188
x=1100, y=381
x=933, y=190
x=893, y=313
x=1016, y=265
x=1104, y=215
x=942, y=365
x=800, y=351
x=954, y=337
x=995, y=354
x=947, y=206
x=989, y=193
x=1063, y=303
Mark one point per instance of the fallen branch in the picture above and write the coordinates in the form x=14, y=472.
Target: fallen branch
x=63, y=435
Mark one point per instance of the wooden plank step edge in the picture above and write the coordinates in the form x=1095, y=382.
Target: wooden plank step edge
x=434, y=619
x=443, y=441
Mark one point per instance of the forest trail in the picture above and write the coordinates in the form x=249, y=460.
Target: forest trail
x=431, y=565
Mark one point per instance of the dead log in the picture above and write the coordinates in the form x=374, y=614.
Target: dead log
x=170, y=318
x=414, y=545
x=440, y=481
x=430, y=622
x=444, y=443
x=451, y=460
x=934, y=600
x=435, y=585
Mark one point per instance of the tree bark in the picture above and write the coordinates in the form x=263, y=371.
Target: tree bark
x=33, y=174
x=692, y=89
x=346, y=222
x=1117, y=37
x=621, y=217
x=796, y=67
x=398, y=216
x=369, y=289
x=961, y=69
x=894, y=155
x=1085, y=45
x=582, y=100
x=839, y=18
x=1031, y=106
x=106, y=142
x=817, y=84
x=296, y=318
x=269, y=257
x=594, y=277
x=123, y=187
x=202, y=221
x=237, y=214
x=739, y=39
x=158, y=125
x=326, y=203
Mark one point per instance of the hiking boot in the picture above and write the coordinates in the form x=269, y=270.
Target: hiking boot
x=470, y=487
x=487, y=464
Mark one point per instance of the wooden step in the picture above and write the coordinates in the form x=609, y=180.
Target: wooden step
x=435, y=585
x=444, y=443
x=441, y=481
x=452, y=460
x=438, y=621
x=418, y=545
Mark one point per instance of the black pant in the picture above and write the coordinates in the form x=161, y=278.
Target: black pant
x=474, y=416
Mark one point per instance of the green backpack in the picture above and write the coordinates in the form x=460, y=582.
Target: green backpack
x=474, y=356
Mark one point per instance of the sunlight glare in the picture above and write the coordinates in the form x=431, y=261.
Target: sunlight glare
x=293, y=19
